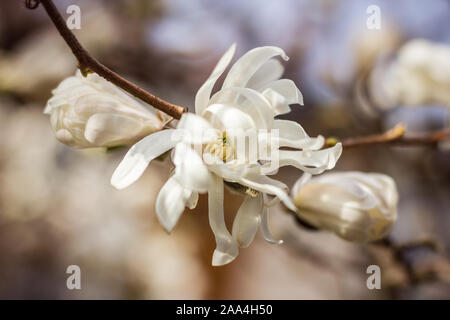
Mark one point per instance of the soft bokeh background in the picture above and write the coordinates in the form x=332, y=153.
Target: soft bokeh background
x=57, y=207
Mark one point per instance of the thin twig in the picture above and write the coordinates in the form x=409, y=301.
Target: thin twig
x=87, y=63
x=432, y=267
x=395, y=136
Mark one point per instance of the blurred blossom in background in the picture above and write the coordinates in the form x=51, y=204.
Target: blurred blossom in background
x=57, y=207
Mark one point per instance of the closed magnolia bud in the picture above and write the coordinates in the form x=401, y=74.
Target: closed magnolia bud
x=356, y=206
x=92, y=112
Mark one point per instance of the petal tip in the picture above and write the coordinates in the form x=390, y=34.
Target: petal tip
x=168, y=229
x=222, y=258
x=116, y=183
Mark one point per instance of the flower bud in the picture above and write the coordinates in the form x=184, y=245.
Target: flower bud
x=420, y=75
x=92, y=112
x=356, y=206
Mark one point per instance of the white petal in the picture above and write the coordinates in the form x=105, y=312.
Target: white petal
x=291, y=134
x=314, y=162
x=247, y=220
x=48, y=107
x=203, y=94
x=278, y=102
x=190, y=169
x=265, y=228
x=264, y=184
x=139, y=156
x=258, y=107
x=65, y=137
x=60, y=97
x=69, y=83
x=90, y=104
x=270, y=71
x=191, y=202
x=171, y=202
x=195, y=129
x=227, y=248
x=105, y=87
x=287, y=89
x=226, y=117
x=349, y=182
x=381, y=185
x=228, y=173
x=109, y=129
x=243, y=70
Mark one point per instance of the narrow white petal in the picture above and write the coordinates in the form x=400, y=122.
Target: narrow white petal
x=265, y=228
x=314, y=162
x=290, y=129
x=287, y=89
x=258, y=107
x=227, y=248
x=291, y=134
x=139, y=156
x=204, y=93
x=244, y=69
x=190, y=169
x=191, y=202
x=229, y=174
x=264, y=184
x=247, y=220
x=226, y=117
x=195, y=129
x=48, y=107
x=272, y=202
x=171, y=202
x=269, y=71
x=254, y=175
x=277, y=101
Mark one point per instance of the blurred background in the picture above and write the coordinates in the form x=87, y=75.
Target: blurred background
x=57, y=207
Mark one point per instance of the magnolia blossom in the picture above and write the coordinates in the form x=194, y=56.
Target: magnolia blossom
x=356, y=206
x=419, y=75
x=92, y=112
x=213, y=148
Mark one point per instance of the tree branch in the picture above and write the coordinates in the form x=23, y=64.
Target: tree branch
x=394, y=136
x=88, y=64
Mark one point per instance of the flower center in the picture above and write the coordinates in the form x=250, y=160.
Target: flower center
x=222, y=148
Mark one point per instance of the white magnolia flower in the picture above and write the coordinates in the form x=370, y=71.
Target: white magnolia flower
x=356, y=206
x=206, y=154
x=420, y=75
x=92, y=112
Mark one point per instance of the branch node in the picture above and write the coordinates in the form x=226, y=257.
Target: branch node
x=395, y=133
x=85, y=70
x=331, y=141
